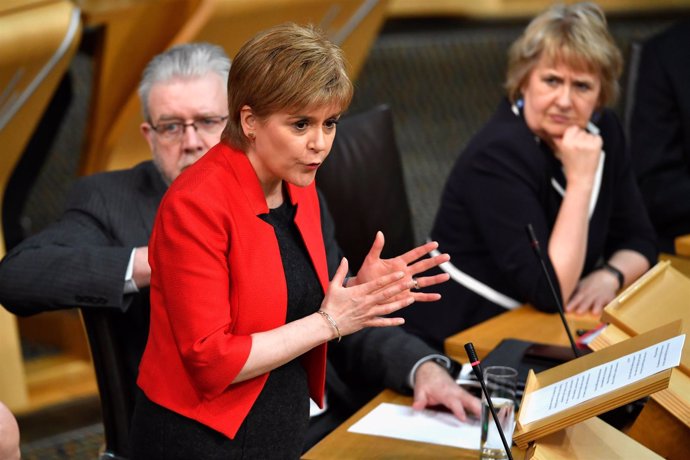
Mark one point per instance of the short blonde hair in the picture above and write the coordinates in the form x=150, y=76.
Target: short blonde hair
x=575, y=35
x=287, y=67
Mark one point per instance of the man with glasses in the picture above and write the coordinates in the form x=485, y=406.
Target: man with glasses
x=96, y=255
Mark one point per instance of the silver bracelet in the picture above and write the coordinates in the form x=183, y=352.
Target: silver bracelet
x=332, y=321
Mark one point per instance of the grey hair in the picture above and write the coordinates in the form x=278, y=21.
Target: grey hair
x=182, y=61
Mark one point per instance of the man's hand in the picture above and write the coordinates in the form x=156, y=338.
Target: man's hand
x=433, y=386
x=141, y=272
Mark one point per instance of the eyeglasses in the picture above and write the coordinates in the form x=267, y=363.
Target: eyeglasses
x=173, y=130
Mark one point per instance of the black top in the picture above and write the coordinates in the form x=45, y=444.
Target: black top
x=503, y=181
x=277, y=424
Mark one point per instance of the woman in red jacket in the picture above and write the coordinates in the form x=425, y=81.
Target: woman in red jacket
x=241, y=304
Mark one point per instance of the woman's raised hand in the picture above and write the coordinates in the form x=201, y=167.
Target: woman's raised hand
x=366, y=304
x=411, y=263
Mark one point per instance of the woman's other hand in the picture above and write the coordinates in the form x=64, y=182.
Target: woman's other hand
x=593, y=293
x=600, y=287
x=374, y=267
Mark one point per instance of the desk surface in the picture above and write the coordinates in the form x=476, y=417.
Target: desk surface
x=524, y=323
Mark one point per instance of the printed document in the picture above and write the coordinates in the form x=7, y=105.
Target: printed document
x=601, y=379
x=403, y=422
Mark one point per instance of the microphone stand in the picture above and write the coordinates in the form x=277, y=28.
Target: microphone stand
x=537, y=251
x=474, y=362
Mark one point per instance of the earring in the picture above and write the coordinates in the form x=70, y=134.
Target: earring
x=517, y=106
x=251, y=135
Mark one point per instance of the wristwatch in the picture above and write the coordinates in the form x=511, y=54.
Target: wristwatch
x=453, y=367
x=617, y=273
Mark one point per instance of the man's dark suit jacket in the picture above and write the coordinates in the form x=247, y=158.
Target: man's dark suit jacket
x=80, y=261
x=660, y=132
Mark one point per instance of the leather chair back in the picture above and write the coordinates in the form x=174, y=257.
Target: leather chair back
x=630, y=84
x=363, y=183
x=114, y=383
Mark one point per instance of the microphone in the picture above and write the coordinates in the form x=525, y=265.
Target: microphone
x=474, y=362
x=537, y=251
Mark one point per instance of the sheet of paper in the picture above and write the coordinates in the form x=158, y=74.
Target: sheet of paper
x=402, y=422
x=601, y=379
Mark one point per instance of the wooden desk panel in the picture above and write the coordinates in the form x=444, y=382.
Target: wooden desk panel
x=511, y=9
x=660, y=431
x=682, y=244
x=525, y=323
x=591, y=439
x=37, y=42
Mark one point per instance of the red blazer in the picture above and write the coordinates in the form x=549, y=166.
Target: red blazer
x=217, y=277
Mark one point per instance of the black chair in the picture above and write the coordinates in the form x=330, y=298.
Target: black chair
x=631, y=85
x=114, y=383
x=363, y=183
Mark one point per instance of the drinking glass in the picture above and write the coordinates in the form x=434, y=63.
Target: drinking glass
x=501, y=384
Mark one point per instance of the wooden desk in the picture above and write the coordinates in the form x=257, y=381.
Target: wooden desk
x=682, y=244
x=590, y=439
x=525, y=323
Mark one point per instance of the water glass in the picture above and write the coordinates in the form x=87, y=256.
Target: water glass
x=501, y=384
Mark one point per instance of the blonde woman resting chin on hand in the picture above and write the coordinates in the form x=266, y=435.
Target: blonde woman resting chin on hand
x=552, y=156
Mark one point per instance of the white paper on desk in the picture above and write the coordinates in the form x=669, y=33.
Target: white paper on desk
x=403, y=422
x=601, y=379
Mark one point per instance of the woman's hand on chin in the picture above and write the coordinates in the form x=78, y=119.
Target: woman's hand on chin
x=579, y=151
